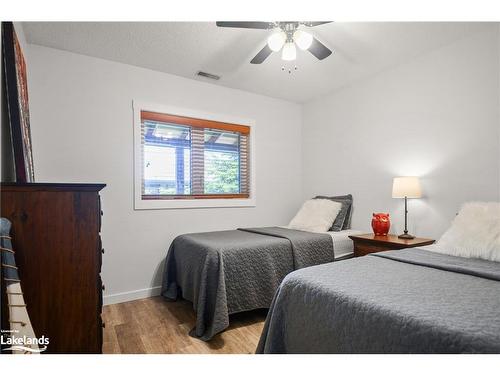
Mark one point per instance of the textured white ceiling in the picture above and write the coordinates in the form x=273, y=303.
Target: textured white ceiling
x=183, y=48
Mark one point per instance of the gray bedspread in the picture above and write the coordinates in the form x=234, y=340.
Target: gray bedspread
x=237, y=270
x=404, y=301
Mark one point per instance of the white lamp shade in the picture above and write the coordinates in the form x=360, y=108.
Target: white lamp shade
x=276, y=41
x=406, y=187
x=302, y=39
x=289, y=52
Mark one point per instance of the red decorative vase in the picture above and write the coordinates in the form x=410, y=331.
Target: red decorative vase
x=381, y=224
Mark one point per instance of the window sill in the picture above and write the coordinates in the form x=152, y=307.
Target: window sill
x=158, y=204
x=192, y=197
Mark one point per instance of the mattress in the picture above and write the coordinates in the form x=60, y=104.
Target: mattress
x=342, y=244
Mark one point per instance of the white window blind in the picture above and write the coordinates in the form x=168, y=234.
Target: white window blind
x=187, y=158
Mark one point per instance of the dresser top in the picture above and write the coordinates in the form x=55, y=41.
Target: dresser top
x=48, y=186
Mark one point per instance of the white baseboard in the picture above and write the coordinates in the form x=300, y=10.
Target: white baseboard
x=111, y=299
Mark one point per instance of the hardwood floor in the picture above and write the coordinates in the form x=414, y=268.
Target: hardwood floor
x=153, y=325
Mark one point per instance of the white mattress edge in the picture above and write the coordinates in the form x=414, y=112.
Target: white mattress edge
x=342, y=244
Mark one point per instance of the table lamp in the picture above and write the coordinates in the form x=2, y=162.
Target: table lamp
x=406, y=187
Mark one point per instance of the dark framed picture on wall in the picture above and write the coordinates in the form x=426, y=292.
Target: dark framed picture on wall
x=16, y=92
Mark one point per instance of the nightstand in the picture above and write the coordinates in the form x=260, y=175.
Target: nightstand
x=370, y=243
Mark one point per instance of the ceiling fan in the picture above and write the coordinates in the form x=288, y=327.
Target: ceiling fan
x=286, y=34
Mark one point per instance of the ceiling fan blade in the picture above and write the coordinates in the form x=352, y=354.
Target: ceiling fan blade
x=319, y=50
x=246, y=24
x=262, y=55
x=316, y=23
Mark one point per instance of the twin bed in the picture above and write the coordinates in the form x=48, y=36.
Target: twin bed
x=227, y=272
x=423, y=300
x=400, y=301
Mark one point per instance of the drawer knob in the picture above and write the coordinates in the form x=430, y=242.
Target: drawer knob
x=103, y=287
x=103, y=325
x=102, y=251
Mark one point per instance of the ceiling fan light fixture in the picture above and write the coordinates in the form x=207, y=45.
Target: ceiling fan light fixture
x=289, y=52
x=303, y=39
x=276, y=41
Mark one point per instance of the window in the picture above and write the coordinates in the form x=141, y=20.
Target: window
x=184, y=158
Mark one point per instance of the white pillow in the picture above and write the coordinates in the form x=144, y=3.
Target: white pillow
x=316, y=215
x=474, y=233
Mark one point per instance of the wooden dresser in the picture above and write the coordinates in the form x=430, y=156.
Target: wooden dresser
x=57, y=244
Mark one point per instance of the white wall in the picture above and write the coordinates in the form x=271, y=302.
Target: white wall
x=499, y=108
x=436, y=117
x=81, y=110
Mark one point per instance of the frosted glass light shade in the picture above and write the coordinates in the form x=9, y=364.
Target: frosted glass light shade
x=406, y=187
x=289, y=52
x=276, y=41
x=303, y=39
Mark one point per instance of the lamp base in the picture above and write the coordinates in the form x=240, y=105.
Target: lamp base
x=406, y=236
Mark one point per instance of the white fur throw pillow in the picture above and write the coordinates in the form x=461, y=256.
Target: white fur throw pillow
x=316, y=215
x=474, y=233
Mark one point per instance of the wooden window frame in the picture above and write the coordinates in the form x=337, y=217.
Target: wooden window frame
x=193, y=118
x=194, y=122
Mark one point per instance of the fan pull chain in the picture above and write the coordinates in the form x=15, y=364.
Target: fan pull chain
x=289, y=70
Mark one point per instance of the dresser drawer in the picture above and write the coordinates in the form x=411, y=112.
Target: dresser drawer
x=99, y=213
x=100, y=251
